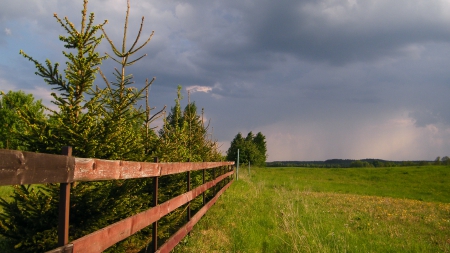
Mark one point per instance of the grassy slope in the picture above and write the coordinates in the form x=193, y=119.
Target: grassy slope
x=329, y=210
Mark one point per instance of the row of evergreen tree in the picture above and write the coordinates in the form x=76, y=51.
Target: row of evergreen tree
x=252, y=149
x=98, y=121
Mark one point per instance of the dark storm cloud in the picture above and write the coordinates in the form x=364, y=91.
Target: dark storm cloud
x=324, y=79
x=340, y=32
x=424, y=118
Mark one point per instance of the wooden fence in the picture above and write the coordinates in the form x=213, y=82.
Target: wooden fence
x=17, y=167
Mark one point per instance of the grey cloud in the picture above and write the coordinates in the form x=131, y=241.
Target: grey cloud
x=424, y=118
x=332, y=64
x=360, y=33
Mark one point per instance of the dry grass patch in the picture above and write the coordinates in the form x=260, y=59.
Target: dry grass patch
x=331, y=222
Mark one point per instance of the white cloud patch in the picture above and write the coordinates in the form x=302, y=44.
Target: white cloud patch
x=198, y=88
x=7, y=31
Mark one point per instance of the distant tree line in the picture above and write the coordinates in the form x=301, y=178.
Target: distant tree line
x=442, y=161
x=363, y=163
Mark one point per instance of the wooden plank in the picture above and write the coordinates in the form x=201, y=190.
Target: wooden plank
x=19, y=167
x=217, y=180
x=182, y=232
x=175, y=168
x=104, y=238
x=64, y=249
x=87, y=169
x=108, y=236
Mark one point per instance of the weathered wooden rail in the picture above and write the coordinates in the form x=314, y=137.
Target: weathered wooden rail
x=17, y=167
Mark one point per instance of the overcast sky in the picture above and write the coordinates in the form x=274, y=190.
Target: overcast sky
x=321, y=79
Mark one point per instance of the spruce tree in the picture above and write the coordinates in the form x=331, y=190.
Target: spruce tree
x=77, y=114
x=236, y=144
x=122, y=120
x=182, y=138
x=72, y=124
x=98, y=123
x=260, y=141
x=173, y=143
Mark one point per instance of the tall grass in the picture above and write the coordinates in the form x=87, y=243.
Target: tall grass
x=329, y=210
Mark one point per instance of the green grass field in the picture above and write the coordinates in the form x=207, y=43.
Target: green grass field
x=403, y=209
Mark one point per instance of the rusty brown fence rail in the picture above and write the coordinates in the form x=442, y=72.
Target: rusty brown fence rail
x=17, y=167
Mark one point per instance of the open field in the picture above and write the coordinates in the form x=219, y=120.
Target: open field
x=403, y=209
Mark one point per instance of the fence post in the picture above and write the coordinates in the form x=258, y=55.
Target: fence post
x=155, y=203
x=224, y=172
x=227, y=169
x=64, y=206
x=237, y=167
x=222, y=183
x=215, y=186
x=204, y=196
x=230, y=168
x=188, y=190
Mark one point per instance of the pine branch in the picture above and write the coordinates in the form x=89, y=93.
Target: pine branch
x=132, y=62
x=145, y=43
x=125, y=28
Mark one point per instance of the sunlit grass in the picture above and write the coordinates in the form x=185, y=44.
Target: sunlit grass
x=299, y=210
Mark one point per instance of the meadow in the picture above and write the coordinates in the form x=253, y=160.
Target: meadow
x=399, y=209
